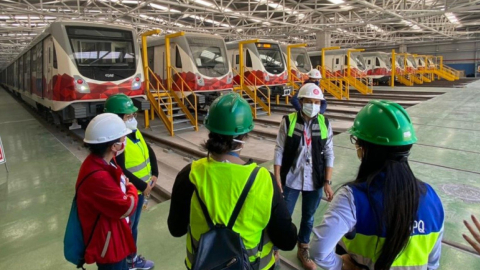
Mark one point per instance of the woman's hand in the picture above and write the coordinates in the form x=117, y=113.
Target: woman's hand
x=328, y=192
x=475, y=233
x=348, y=263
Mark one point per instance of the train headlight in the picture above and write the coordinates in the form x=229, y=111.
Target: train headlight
x=81, y=85
x=199, y=79
x=137, y=82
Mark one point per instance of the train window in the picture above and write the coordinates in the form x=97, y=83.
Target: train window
x=178, y=58
x=301, y=59
x=271, y=57
x=49, y=55
x=54, y=59
x=209, y=55
x=377, y=62
x=248, y=60
x=369, y=61
x=237, y=59
x=346, y=60
x=337, y=61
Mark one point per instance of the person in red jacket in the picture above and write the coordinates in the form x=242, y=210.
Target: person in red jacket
x=106, y=198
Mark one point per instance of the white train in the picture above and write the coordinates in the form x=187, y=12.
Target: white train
x=378, y=66
x=199, y=60
x=300, y=63
x=336, y=63
x=72, y=67
x=264, y=62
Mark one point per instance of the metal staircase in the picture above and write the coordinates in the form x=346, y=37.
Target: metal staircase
x=172, y=107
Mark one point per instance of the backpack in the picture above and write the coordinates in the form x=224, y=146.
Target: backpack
x=73, y=244
x=221, y=247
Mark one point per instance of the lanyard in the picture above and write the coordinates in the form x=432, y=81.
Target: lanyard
x=308, y=140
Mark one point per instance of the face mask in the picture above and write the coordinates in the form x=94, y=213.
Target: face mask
x=131, y=124
x=310, y=109
x=238, y=149
x=359, y=152
x=122, y=149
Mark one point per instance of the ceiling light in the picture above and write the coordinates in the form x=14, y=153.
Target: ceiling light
x=452, y=18
x=156, y=6
x=336, y=2
x=204, y=3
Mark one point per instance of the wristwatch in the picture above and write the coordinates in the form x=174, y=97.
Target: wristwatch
x=329, y=182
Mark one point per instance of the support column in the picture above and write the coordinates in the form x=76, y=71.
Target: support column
x=402, y=48
x=324, y=40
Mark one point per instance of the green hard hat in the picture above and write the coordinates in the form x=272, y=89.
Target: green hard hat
x=119, y=104
x=229, y=114
x=384, y=122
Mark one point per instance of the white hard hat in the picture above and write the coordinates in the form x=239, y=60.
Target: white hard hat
x=314, y=74
x=105, y=127
x=310, y=90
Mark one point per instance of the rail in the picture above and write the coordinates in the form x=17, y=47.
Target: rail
x=193, y=118
x=253, y=94
x=335, y=84
x=158, y=102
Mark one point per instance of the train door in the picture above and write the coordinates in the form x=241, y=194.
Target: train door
x=368, y=62
x=48, y=52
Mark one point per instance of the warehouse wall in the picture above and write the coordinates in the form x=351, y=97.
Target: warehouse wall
x=462, y=55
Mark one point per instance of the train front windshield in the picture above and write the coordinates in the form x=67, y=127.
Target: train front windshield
x=103, y=54
x=209, y=55
x=271, y=57
x=300, y=58
x=387, y=59
x=359, y=60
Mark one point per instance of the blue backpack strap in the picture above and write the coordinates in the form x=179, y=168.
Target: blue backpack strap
x=82, y=262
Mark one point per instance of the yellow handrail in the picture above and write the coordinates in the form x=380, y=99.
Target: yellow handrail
x=166, y=118
x=194, y=120
x=253, y=94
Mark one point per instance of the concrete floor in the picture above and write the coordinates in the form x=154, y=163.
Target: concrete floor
x=35, y=196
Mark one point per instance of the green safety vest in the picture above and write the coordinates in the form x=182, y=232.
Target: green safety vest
x=137, y=158
x=220, y=185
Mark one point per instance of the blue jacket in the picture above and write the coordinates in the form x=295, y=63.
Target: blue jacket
x=296, y=102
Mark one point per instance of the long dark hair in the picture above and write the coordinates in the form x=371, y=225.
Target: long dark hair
x=100, y=149
x=222, y=144
x=401, y=195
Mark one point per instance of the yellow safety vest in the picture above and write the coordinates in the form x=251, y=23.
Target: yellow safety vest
x=137, y=158
x=220, y=185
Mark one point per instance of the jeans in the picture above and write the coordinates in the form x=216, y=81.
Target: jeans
x=134, y=220
x=122, y=265
x=310, y=203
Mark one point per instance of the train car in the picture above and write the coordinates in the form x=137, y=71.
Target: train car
x=72, y=67
x=199, y=61
x=378, y=66
x=336, y=63
x=410, y=65
x=264, y=65
x=299, y=62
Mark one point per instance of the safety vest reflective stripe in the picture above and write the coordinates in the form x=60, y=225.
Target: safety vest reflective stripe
x=297, y=129
x=139, y=167
x=137, y=158
x=415, y=254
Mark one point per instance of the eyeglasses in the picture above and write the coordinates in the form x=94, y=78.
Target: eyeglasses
x=353, y=140
x=129, y=117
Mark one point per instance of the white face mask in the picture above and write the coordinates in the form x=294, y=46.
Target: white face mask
x=240, y=142
x=131, y=124
x=310, y=109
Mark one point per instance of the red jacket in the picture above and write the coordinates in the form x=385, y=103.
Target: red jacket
x=101, y=195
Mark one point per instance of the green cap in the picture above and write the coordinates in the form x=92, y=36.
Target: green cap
x=119, y=104
x=384, y=122
x=229, y=114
